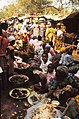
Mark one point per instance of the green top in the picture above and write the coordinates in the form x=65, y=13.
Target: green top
x=69, y=80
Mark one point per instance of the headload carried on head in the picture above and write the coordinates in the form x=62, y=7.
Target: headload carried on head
x=62, y=71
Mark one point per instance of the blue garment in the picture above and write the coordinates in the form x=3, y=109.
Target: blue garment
x=67, y=60
x=71, y=110
x=69, y=80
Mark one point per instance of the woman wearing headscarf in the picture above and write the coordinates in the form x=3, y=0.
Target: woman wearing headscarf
x=62, y=79
x=67, y=59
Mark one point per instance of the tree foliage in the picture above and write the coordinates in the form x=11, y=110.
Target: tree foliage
x=30, y=7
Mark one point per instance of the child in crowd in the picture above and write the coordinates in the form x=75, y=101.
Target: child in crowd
x=44, y=62
x=51, y=72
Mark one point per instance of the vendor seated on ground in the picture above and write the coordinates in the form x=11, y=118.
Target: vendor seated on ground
x=51, y=72
x=66, y=93
x=37, y=78
x=41, y=87
x=44, y=62
x=74, y=69
x=72, y=109
x=34, y=62
x=67, y=58
x=47, y=50
x=62, y=79
x=53, y=55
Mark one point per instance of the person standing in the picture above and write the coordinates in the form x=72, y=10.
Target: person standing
x=3, y=60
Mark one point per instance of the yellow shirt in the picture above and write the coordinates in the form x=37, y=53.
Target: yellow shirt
x=50, y=32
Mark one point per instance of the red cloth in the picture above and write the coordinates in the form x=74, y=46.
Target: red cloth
x=3, y=45
x=26, y=38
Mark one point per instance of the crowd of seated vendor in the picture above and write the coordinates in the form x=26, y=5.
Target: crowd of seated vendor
x=51, y=71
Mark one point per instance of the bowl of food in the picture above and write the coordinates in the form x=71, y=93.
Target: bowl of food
x=42, y=111
x=55, y=103
x=21, y=65
x=18, y=79
x=33, y=99
x=19, y=93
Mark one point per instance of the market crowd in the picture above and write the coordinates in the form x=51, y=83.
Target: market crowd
x=48, y=51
